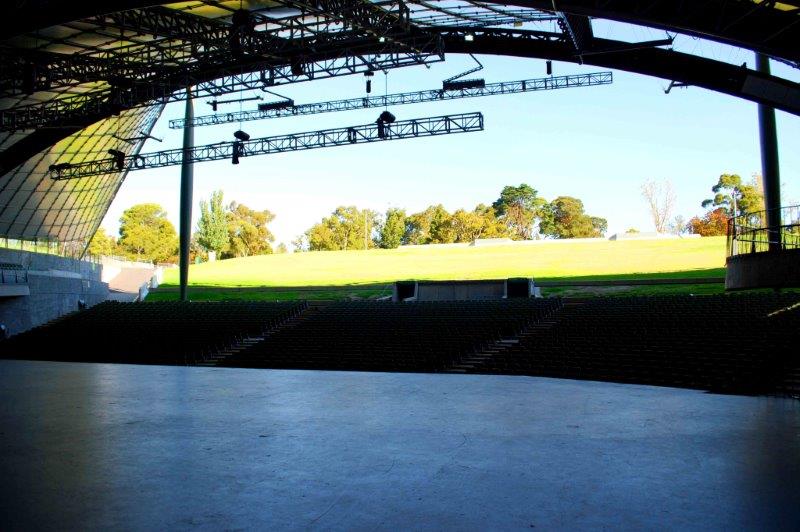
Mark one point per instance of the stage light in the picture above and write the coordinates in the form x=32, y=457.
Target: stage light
x=469, y=37
x=386, y=117
x=549, y=68
x=58, y=168
x=235, y=156
x=368, y=74
x=119, y=158
x=241, y=135
x=213, y=104
x=381, y=39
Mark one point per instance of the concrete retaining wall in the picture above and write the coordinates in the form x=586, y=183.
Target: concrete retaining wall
x=56, y=284
x=773, y=269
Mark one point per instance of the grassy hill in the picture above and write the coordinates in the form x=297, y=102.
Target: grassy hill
x=333, y=273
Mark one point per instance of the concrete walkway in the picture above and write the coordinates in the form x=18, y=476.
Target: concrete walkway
x=98, y=446
x=125, y=286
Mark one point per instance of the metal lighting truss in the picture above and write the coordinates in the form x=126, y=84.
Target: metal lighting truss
x=402, y=98
x=375, y=132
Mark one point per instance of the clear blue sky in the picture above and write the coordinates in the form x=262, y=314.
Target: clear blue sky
x=595, y=143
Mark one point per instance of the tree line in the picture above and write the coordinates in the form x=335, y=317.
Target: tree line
x=519, y=213
x=145, y=233
x=732, y=197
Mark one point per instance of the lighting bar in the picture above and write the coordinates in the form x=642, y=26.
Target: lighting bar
x=403, y=98
x=343, y=136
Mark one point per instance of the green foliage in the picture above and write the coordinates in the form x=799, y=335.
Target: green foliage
x=282, y=248
x=101, y=244
x=748, y=197
x=714, y=223
x=431, y=226
x=247, y=231
x=568, y=220
x=393, y=229
x=521, y=208
x=346, y=228
x=212, y=229
x=146, y=234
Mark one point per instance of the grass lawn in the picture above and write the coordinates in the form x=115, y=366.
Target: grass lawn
x=338, y=274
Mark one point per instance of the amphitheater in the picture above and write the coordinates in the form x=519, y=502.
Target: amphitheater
x=489, y=408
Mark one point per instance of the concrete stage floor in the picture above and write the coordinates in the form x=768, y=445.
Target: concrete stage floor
x=88, y=446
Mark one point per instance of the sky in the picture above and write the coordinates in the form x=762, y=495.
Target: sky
x=598, y=144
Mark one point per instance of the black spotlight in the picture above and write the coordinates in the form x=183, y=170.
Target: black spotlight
x=241, y=135
x=119, y=158
x=213, y=104
x=368, y=74
x=238, y=149
x=549, y=68
x=386, y=117
x=297, y=68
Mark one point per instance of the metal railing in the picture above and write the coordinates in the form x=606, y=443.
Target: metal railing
x=11, y=273
x=749, y=233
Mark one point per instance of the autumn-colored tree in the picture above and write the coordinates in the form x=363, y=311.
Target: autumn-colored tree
x=714, y=223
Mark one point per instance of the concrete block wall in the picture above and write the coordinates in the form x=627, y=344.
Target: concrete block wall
x=56, y=285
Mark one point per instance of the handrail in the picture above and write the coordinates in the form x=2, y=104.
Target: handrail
x=749, y=233
x=13, y=273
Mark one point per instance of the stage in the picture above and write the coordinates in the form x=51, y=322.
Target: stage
x=88, y=446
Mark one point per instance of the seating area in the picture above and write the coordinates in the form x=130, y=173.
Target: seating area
x=728, y=343
x=386, y=336
x=149, y=333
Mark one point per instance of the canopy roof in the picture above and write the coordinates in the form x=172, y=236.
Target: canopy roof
x=77, y=80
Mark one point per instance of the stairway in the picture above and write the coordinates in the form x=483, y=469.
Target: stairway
x=214, y=359
x=473, y=362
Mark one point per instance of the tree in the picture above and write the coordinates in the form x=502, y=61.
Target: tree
x=212, y=229
x=678, y=226
x=660, y=199
x=431, y=226
x=101, y=244
x=492, y=226
x=520, y=208
x=282, y=248
x=568, y=220
x=300, y=243
x=393, y=229
x=714, y=223
x=467, y=225
x=346, y=228
x=248, y=234
x=146, y=234
x=749, y=197
x=482, y=222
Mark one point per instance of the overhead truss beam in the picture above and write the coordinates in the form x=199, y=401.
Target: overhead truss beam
x=83, y=109
x=418, y=127
x=401, y=98
x=758, y=25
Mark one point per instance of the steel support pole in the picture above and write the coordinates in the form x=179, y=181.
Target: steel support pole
x=187, y=179
x=770, y=166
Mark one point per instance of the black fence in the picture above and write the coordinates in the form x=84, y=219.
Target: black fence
x=11, y=273
x=749, y=233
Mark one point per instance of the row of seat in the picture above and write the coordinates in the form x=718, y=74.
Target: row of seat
x=150, y=333
x=732, y=343
x=386, y=336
